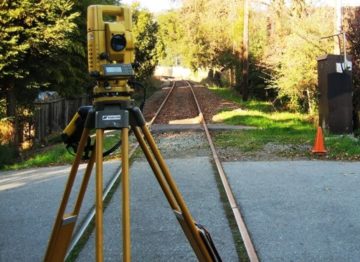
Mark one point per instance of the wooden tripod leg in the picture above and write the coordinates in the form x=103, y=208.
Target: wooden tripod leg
x=99, y=195
x=64, y=224
x=183, y=214
x=84, y=183
x=125, y=184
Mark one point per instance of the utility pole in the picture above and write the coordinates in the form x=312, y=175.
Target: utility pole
x=245, y=53
x=338, y=26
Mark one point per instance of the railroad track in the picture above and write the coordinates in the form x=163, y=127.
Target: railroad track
x=181, y=112
x=220, y=170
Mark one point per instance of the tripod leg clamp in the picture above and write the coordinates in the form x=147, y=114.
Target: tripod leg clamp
x=137, y=118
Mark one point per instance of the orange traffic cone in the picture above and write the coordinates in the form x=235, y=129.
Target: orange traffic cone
x=319, y=147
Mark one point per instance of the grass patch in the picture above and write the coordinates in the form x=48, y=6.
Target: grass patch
x=53, y=155
x=255, y=140
x=343, y=147
x=57, y=155
x=231, y=95
x=276, y=127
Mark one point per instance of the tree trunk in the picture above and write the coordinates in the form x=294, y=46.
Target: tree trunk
x=310, y=101
x=232, y=76
x=338, y=27
x=245, y=53
x=10, y=100
x=11, y=110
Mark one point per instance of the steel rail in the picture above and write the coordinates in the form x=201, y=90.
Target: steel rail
x=162, y=105
x=85, y=223
x=249, y=246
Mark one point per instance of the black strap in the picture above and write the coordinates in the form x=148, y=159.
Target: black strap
x=206, y=237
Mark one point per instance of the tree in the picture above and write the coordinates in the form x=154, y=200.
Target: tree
x=245, y=53
x=33, y=35
x=298, y=8
x=209, y=29
x=293, y=51
x=170, y=37
x=284, y=46
x=145, y=34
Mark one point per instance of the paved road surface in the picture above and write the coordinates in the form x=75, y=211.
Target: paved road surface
x=156, y=234
x=294, y=210
x=300, y=210
x=29, y=200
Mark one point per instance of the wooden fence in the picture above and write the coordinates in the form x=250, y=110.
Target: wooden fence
x=52, y=116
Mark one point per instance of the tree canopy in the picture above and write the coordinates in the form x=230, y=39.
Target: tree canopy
x=145, y=30
x=284, y=44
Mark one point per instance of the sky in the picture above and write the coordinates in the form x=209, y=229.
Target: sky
x=352, y=2
x=161, y=5
x=348, y=2
x=154, y=5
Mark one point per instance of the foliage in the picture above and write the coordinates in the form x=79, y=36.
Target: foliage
x=6, y=131
x=145, y=34
x=31, y=28
x=284, y=44
x=34, y=37
x=251, y=104
x=297, y=42
x=55, y=155
x=170, y=34
x=196, y=39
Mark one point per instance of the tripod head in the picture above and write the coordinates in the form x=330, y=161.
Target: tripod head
x=110, y=52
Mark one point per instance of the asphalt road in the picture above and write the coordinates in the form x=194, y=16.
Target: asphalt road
x=156, y=234
x=294, y=210
x=29, y=200
x=300, y=210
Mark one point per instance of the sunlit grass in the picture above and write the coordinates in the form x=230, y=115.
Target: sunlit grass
x=231, y=95
x=57, y=155
x=276, y=127
x=264, y=119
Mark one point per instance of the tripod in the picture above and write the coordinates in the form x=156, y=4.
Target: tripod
x=122, y=115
